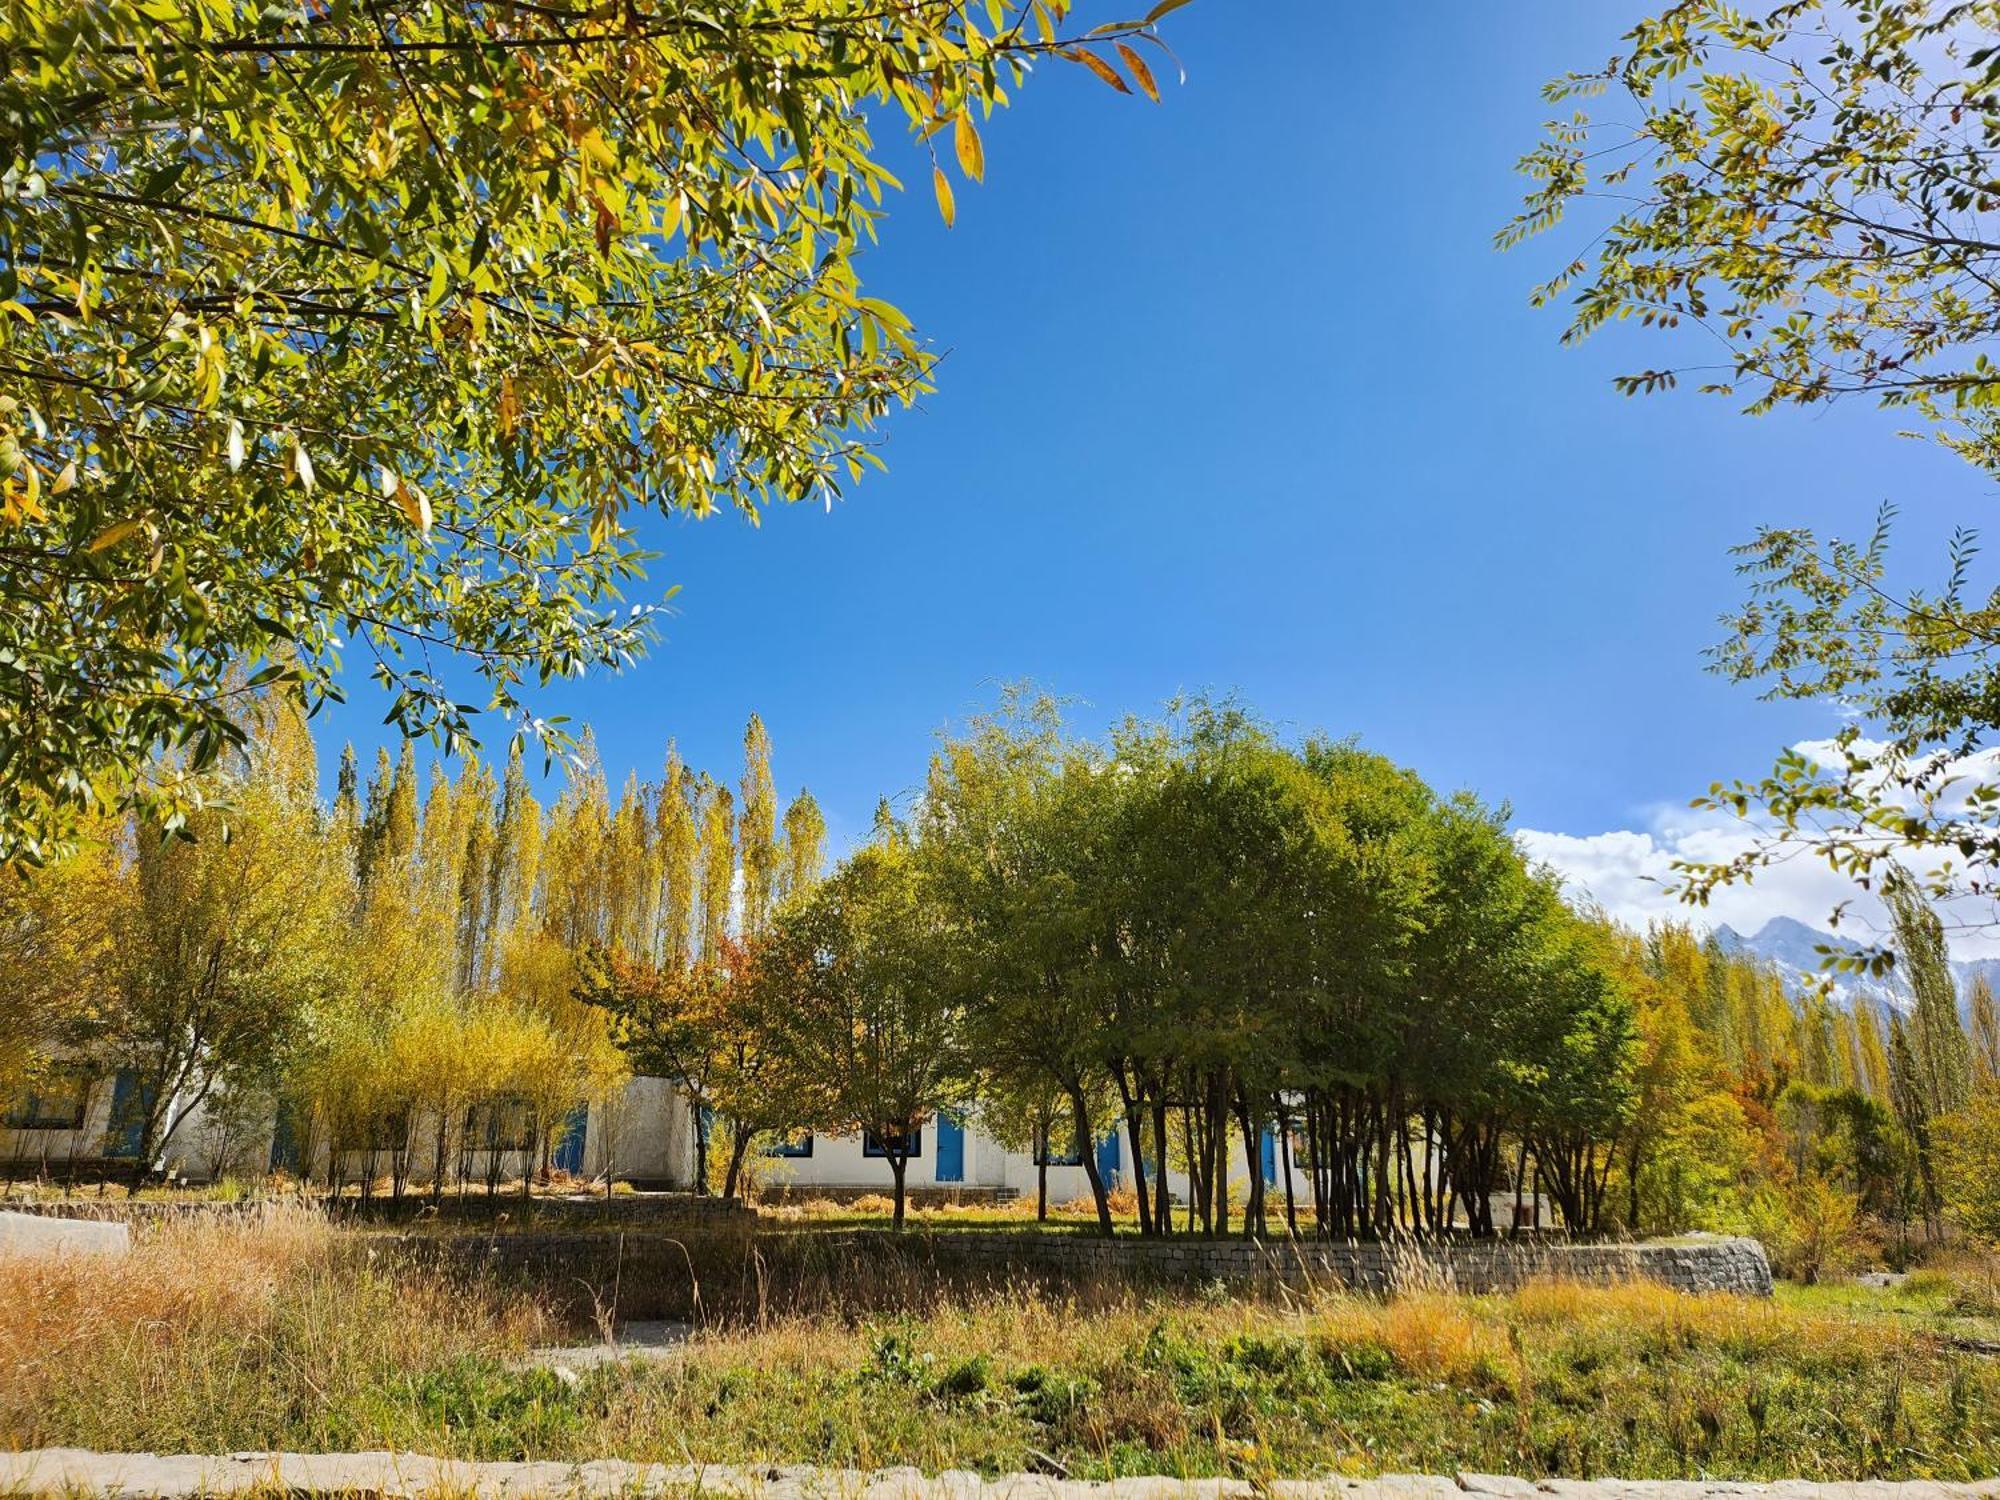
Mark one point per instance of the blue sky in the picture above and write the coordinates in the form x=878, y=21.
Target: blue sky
x=1238, y=396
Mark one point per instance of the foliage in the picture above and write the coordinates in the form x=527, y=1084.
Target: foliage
x=55, y=952
x=1807, y=1228
x=1810, y=184
x=866, y=968
x=1231, y=936
x=1968, y=1145
x=224, y=938
x=360, y=332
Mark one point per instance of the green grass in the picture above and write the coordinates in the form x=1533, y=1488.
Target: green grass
x=290, y=1335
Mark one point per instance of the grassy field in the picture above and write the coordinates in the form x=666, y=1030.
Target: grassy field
x=215, y=1337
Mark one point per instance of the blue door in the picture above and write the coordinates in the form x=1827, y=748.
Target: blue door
x=131, y=1102
x=1270, y=1145
x=569, y=1145
x=1107, y=1158
x=950, y=1149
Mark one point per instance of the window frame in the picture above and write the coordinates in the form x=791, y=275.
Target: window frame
x=871, y=1147
x=1044, y=1157
x=492, y=1113
x=796, y=1147
x=30, y=1109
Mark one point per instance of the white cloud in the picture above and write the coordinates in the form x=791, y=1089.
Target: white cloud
x=1630, y=871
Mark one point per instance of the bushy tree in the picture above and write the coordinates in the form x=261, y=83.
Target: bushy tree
x=869, y=966
x=226, y=933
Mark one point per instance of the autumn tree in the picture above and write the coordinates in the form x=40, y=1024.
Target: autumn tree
x=804, y=850
x=758, y=829
x=226, y=934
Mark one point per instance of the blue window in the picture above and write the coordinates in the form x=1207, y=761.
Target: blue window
x=56, y=1102
x=503, y=1124
x=1045, y=1157
x=871, y=1144
x=799, y=1145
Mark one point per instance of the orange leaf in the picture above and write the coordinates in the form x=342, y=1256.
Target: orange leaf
x=1140, y=71
x=1098, y=66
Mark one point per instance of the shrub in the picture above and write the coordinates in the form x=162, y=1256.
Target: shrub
x=1809, y=1230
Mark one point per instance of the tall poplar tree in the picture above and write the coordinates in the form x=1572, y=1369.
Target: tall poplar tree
x=1985, y=1017
x=718, y=866
x=804, y=851
x=1941, y=1056
x=679, y=841
x=758, y=829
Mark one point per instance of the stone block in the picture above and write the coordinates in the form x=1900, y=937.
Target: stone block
x=39, y=1234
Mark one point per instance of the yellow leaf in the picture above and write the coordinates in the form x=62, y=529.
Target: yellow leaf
x=510, y=406
x=1140, y=71
x=943, y=186
x=113, y=534
x=65, y=480
x=971, y=154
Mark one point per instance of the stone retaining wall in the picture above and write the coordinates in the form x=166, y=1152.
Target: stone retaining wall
x=1694, y=1264
x=663, y=1274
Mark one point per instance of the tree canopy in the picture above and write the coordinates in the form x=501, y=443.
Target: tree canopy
x=352, y=333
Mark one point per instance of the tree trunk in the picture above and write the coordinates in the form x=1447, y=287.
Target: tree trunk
x=1285, y=1166
x=898, y=1165
x=1086, y=1152
x=700, y=1116
x=1253, y=1208
x=739, y=1148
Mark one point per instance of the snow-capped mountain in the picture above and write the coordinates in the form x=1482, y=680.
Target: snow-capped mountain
x=1794, y=949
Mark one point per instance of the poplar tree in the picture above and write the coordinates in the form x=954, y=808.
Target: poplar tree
x=718, y=866
x=758, y=829
x=517, y=860
x=1985, y=1039
x=632, y=873
x=679, y=840
x=1940, y=1055
x=804, y=850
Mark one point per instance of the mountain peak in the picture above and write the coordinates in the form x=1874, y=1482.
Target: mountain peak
x=1792, y=930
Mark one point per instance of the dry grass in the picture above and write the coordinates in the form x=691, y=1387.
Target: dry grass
x=282, y=1331
x=215, y=1330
